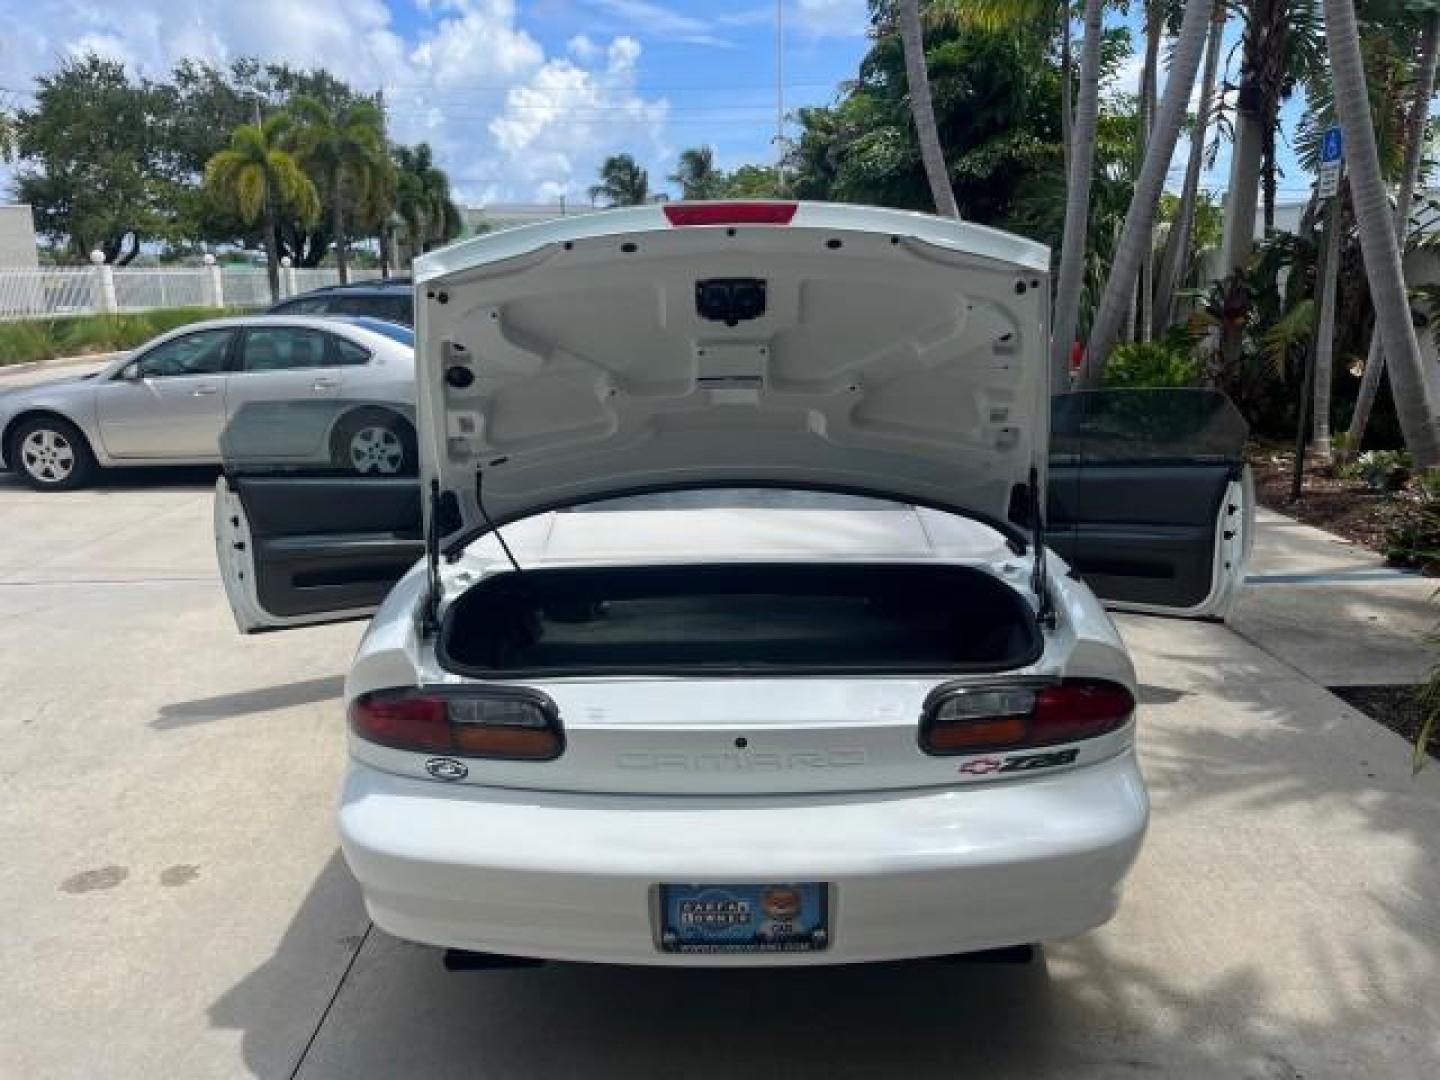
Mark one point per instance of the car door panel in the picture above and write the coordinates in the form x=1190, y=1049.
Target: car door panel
x=168, y=412
x=296, y=550
x=1148, y=500
x=292, y=371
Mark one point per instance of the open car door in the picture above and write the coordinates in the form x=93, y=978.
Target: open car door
x=305, y=540
x=1150, y=500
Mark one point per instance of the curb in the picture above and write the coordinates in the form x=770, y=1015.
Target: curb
x=58, y=362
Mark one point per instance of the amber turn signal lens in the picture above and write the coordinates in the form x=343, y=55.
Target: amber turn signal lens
x=530, y=744
x=948, y=738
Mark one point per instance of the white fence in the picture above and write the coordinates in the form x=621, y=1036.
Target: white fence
x=85, y=290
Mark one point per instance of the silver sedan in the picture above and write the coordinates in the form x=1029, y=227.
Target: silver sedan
x=338, y=392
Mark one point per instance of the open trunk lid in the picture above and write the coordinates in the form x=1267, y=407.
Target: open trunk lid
x=808, y=346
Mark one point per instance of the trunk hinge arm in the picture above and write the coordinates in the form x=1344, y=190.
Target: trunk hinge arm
x=490, y=525
x=1039, y=575
x=430, y=622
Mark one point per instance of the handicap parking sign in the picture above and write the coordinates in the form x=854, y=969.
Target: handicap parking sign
x=1332, y=151
x=1332, y=147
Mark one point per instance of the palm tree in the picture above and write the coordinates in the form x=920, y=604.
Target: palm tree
x=1377, y=238
x=343, y=148
x=1077, y=200
x=422, y=200
x=1177, y=244
x=1415, y=120
x=1325, y=331
x=994, y=15
x=1135, y=238
x=1149, y=81
x=259, y=180
x=7, y=137
x=1280, y=47
x=622, y=182
x=1017, y=15
x=697, y=176
x=922, y=108
x=375, y=212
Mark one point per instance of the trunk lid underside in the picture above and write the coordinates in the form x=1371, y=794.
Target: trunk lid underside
x=871, y=351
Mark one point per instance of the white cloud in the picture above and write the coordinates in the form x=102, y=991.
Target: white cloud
x=655, y=20
x=506, y=120
x=565, y=118
x=829, y=18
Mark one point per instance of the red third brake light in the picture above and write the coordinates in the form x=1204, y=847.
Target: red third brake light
x=730, y=213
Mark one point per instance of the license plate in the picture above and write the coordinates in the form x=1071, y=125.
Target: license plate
x=744, y=918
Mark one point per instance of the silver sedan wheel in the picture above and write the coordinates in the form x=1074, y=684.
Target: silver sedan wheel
x=47, y=456
x=376, y=449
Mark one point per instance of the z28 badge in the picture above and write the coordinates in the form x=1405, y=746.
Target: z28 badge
x=1020, y=762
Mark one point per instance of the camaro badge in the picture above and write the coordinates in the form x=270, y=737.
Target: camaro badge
x=444, y=768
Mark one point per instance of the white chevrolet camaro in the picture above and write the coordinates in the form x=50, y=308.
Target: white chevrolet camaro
x=731, y=621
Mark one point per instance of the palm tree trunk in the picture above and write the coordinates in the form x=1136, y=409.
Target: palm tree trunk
x=1077, y=201
x=337, y=226
x=1134, y=242
x=1415, y=121
x=922, y=108
x=1268, y=181
x=1177, y=247
x=1325, y=328
x=1377, y=238
x=272, y=248
x=1132, y=312
x=1150, y=78
x=1238, y=239
x=1067, y=73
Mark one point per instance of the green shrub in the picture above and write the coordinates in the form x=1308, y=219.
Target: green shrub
x=1382, y=470
x=76, y=335
x=1152, y=364
x=1414, y=540
x=27, y=339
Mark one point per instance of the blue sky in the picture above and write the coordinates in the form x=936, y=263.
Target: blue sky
x=520, y=98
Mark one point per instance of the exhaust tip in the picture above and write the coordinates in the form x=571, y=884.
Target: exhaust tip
x=464, y=960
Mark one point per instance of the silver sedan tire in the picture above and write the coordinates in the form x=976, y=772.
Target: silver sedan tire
x=375, y=442
x=51, y=454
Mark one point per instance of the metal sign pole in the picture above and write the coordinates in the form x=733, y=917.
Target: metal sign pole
x=1331, y=163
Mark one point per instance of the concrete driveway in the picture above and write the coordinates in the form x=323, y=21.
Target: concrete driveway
x=174, y=903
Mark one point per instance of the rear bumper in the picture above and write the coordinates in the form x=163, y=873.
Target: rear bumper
x=915, y=873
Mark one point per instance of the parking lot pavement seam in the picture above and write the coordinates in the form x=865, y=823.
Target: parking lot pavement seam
x=334, y=996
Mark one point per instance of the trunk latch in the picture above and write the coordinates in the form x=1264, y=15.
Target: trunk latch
x=730, y=300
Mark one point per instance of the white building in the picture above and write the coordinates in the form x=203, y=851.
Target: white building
x=17, y=238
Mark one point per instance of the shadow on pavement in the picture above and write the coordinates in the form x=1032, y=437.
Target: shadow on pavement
x=248, y=702
x=136, y=479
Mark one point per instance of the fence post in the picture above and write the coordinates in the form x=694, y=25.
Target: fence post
x=213, y=290
x=287, y=277
x=105, y=298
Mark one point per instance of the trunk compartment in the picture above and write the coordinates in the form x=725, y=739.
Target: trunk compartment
x=739, y=618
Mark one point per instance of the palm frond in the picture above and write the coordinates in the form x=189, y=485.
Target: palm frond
x=1292, y=330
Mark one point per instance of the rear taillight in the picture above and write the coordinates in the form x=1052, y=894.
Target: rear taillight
x=967, y=720
x=499, y=722
x=730, y=213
